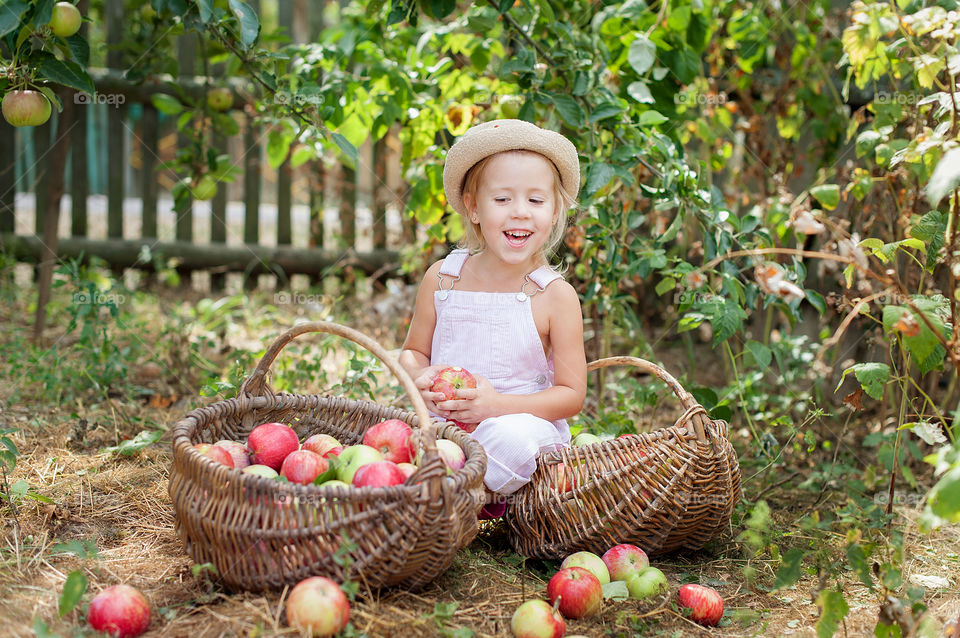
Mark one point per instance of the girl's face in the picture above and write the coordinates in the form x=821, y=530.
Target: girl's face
x=515, y=206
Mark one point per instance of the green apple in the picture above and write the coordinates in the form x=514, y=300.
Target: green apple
x=585, y=438
x=589, y=561
x=219, y=98
x=205, y=188
x=65, y=19
x=510, y=106
x=354, y=456
x=335, y=483
x=25, y=108
x=648, y=582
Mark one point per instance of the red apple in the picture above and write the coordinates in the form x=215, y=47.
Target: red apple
x=270, y=443
x=564, y=477
x=705, y=603
x=448, y=381
x=623, y=560
x=120, y=610
x=303, y=466
x=214, y=453
x=323, y=444
x=579, y=591
x=408, y=469
x=590, y=562
x=237, y=451
x=392, y=438
x=378, y=474
x=537, y=619
x=452, y=455
x=25, y=108
x=65, y=19
x=318, y=606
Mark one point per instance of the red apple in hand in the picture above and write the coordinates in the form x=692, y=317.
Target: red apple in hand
x=303, y=466
x=705, y=603
x=270, y=443
x=448, y=381
x=120, y=610
x=392, y=438
x=318, y=607
x=379, y=474
x=579, y=591
x=537, y=619
x=323, y=444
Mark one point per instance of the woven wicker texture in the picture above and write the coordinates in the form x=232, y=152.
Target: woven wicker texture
x=666, y=490
x=263, y=534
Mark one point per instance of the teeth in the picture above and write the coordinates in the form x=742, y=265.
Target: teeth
x=518, y=235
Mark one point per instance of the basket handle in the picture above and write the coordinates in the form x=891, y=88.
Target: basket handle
x=695, y=416
x=256, y=384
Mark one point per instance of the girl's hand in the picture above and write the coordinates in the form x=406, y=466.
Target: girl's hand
x=472, y=405
x=423, y=383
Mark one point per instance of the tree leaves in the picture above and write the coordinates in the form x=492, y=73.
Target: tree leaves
x=833, y=609
x=249, y=22
x=65, y=72
x=871, y=375
x=945, y=178
x=642, y=54
x=73, y=590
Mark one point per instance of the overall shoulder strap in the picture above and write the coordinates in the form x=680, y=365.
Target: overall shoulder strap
x=543, y=276
x=453, y=263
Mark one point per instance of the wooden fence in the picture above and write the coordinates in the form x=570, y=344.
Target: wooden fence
x=118, y=142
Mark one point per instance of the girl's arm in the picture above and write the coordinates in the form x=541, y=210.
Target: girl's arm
x=415, y=355
x=565, y=398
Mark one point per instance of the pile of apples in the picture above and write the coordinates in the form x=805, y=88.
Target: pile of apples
x=385, y=457
x=576, y=590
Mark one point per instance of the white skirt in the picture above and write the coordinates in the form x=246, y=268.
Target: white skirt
x=513, y=444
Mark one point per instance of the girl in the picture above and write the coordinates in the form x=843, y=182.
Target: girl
x=497, y=309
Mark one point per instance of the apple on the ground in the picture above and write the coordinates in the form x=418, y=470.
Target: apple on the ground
x=648, y=582
x=270, y=443
x=579, y=591
x=352, y=458
x=537, y=619
x=318, y=606
x=323, y=444
x=65, y=19
x=705, y=603
x=237, y=451
x=120, y=610
x=378, y=474
x=25, y=108
x=623, y=560
x=392, y=438
x=214, y=453
x=303, y=466
x=589, y=561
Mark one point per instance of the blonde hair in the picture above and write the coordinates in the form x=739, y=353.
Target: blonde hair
x=473, y=239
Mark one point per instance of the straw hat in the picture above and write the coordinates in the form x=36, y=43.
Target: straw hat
x=496, y=136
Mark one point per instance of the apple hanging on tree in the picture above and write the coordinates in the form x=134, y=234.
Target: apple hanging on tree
x=65, y=19
x=25, y=108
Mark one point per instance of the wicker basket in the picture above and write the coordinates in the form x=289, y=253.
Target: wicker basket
x=666, y=490
x=263, y=534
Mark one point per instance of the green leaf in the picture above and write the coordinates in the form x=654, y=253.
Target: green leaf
x=640, y=92
x=872, y=377
x=944, y=497
x=599, y=175
x=137, y=443
x=10, y=14
x=166, y=104
x=642, y=54
x=603, y=111
x=206, y=10
x=569, y=110
x=761, y=353
x=249, y=23
x=651, y=118
x=867, y=141
x=42, y=630
x=827, y=194
x=945, y=178
x=278, y=146
x=858, y=560
x=727, y=319
x=833, y=609
x=616, y=590
x=66, y=73
x=789, y=571
x=345, y=146
x=81, y=548
x=666, y=285
x=73, y=590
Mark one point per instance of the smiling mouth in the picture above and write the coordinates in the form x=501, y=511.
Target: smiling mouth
x=517, y=237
